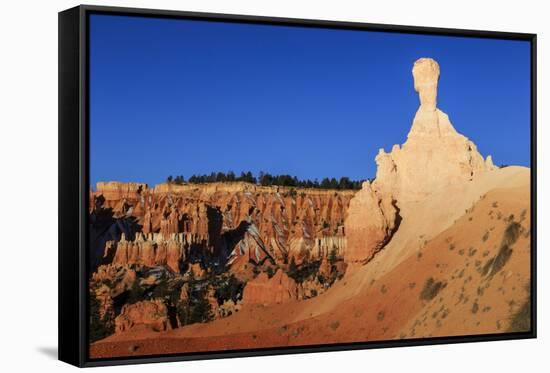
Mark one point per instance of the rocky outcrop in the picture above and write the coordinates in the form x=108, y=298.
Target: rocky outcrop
x=264, y=290
x=229, y=307
x=151, y=250
x=103, y=296
x=147, y=314
x=114, y=191
x=435, y=155
x=218, y=223
x=120, y=278
x=311, y=288
x=325, y=268
x=109, y=282
x=372, y=219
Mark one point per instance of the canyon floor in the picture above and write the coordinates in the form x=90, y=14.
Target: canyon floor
x=459, y=264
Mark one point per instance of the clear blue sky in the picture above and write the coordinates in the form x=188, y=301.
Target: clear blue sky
x=178, y=97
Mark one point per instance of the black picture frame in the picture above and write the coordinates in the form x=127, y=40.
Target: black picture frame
x=74, y=182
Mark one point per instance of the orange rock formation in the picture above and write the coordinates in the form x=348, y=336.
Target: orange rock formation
x=264, y=290
x=231, y=223
x=151, y=315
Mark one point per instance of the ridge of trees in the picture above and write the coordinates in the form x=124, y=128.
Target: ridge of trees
x=267, y=179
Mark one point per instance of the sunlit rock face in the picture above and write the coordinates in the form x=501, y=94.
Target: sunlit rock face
x=369, y=225
x=264, y=290
x=217, y=224
x=148, y=314
x=434, y=155
x=426, y=76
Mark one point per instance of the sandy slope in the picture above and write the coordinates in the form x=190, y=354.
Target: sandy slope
x=450, y=237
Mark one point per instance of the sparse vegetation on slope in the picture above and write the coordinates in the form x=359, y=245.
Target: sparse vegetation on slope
x=230, y=288
x=495, y=264
x=99, y=327
x=303, y=272
x=521, y=319
x=431, y=289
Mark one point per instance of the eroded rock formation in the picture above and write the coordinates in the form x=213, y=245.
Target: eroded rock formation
x=264, y=290
x=149, y=314
x=152, y=250
x=219, y=223
x=372, y=219
x=435, y=155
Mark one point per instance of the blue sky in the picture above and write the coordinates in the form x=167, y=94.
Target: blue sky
x=179, y=97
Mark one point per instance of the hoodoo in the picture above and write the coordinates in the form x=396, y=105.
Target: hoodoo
x=435, y=155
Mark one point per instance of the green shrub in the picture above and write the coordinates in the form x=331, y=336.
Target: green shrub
x=99, y=327
x=305, y=271
x=135, y=293
x=495, y=264
x=511, y=234
x=332, y=257
x=229, y=288
x=256, y=271
x=166, y=291
x=431, y=289
x=195, y=310
x=521, y=319
x=200, y=310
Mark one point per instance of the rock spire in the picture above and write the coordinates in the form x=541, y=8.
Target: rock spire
x=435, y=155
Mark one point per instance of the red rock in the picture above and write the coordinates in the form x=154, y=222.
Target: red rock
x=154, y=250
x=148, y=314
x=325, y=268
x=115, y=191
x=264, y=290
x=306, y=223
x=369, y=225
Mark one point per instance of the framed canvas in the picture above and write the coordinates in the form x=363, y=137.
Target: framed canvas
x=239, y=186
